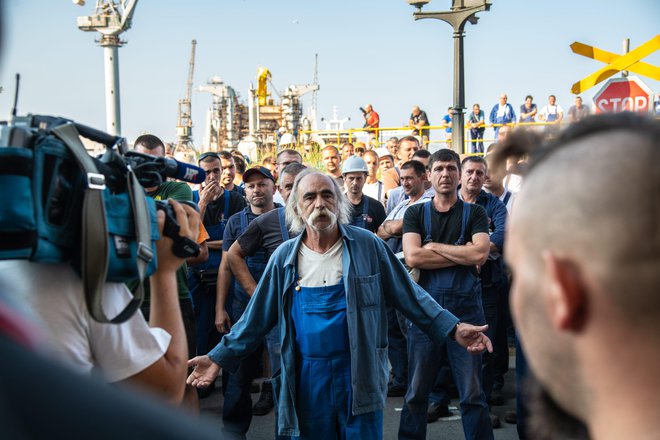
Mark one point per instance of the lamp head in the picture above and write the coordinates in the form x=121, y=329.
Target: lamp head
x=419, y=4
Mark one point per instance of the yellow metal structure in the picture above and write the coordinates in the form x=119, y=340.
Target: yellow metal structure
x=616, y=63
x=263, y=75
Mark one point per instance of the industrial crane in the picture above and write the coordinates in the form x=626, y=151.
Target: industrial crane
x=110, y=19
x=185, y=124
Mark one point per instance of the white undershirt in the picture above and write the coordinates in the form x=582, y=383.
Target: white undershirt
x=319, y=270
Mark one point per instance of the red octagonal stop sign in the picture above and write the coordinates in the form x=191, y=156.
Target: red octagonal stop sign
x=624, y=94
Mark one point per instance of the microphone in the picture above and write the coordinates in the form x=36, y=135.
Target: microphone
x=182, y=171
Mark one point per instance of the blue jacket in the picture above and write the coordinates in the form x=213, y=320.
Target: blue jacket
x=509, y=115
x=373, y=278
x=493, y=271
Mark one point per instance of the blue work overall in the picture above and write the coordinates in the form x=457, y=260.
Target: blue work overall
x=256, y=265
x=323, y=369
x=360, y=220
x=237, y=407
x=204, y=302
x=458, y=290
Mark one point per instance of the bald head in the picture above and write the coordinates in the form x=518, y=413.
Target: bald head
x=596, y=200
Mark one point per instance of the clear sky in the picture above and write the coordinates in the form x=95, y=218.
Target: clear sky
x=370, y=51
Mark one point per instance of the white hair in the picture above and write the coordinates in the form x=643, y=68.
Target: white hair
x=295, y=219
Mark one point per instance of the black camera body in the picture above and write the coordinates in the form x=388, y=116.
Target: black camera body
x=183, y=247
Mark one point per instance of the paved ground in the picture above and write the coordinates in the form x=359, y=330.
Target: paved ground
x=446, y=428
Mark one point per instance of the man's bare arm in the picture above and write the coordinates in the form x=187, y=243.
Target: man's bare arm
x=420, y=257
x=473, y=255
x=167, y=374
x=239, y=268
x=214, y=245
x=222, y=321
x=390, y=228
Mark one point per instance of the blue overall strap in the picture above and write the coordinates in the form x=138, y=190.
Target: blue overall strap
x=506, y=197
x=365, y=206
x=466, y=216
x=285, y=231
x=244, y=220
x=195, y=195
x=225, y=213
x=427, y=221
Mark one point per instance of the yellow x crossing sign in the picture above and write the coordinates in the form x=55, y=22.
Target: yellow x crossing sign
x=616, y=63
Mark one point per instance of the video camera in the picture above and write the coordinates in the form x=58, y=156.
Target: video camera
x=364, y=112
x=63, y=205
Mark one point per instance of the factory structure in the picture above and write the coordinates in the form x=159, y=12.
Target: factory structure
x=260, y=121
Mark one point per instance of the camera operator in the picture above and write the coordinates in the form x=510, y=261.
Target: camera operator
x=152, y=356
x=150, y=144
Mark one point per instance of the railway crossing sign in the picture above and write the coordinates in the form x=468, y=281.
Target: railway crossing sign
x=616, y=63
x=624, y=94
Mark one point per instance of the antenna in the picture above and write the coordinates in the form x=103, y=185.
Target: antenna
x=18, y=81
x=184, y=124
x=316, y=79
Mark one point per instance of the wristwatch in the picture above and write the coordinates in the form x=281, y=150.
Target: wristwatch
x=452, y=333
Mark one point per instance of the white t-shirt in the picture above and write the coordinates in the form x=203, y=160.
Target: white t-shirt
x=550, y=110
x=320, y=270
x=509, y=203
x=116, y=351
x=513, y=182
x=375, y=191
x=277, y=198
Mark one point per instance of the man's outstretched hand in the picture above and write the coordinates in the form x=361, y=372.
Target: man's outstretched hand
x=472, y=337
x=204, y=371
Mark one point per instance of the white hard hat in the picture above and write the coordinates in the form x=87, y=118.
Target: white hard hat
x=354, y=164
x=382, y=152
x=286, y=139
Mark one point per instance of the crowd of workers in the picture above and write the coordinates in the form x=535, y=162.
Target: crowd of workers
x=549, y=119
x=300, y=281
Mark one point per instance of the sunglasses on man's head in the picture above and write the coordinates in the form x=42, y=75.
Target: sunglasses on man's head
x=208, y=154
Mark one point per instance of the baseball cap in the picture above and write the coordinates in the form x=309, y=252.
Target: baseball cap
x=265, y=172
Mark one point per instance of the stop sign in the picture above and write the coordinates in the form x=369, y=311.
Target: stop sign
x=624, y=94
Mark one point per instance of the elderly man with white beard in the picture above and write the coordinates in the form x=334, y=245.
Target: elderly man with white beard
x=326, y=291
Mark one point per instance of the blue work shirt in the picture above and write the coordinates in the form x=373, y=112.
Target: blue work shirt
x=373, y=278
x=492, y=272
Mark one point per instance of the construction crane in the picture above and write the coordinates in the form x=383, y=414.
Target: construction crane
x=110, y=19
x=184, y=125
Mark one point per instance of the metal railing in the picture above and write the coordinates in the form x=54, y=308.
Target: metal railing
x=380, y=134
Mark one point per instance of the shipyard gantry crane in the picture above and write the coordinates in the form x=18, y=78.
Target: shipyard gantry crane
x=110, y=19
x=184, y=125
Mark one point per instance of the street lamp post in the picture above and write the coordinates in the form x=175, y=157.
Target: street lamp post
x=461, y=12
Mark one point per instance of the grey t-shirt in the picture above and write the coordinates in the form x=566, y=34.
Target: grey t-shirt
x=264, y=232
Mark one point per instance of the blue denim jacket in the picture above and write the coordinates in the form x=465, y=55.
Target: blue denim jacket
x=372, y=277
x=493, y=271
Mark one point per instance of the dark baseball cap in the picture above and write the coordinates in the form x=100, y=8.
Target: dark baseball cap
x=265, y=172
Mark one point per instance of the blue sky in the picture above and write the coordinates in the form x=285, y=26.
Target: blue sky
x=370, y=51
